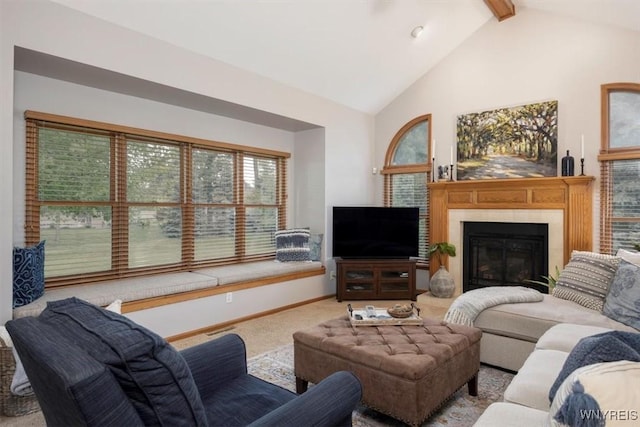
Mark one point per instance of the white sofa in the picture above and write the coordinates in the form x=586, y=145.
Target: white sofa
x=511, y=331
x=536, y=339
x=526, y=399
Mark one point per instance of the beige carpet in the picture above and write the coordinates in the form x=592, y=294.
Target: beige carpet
x=270, y=332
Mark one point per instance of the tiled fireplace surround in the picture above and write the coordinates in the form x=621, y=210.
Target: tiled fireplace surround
x=564, y=203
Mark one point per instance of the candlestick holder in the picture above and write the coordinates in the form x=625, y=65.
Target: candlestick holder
x=582, y=166
x=433, y=169
x=451, y=173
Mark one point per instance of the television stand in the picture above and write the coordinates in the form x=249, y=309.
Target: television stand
x=371, y=279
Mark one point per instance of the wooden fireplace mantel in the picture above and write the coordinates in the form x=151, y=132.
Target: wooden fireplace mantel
x=572, y=194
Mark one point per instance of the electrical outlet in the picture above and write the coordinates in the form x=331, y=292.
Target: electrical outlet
x=229, y=297
x=332, y=275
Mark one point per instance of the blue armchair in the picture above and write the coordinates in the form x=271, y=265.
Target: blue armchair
x=92, y=367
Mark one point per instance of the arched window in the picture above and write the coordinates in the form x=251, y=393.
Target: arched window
x=620, y=167
x=406, y=173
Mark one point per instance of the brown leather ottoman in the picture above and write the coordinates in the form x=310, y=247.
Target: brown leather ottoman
x=406, y=372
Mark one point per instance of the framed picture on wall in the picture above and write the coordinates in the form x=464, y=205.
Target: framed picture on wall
x=514, y=142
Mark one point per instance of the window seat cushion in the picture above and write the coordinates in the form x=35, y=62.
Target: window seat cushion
x=229, y=274
x=139, y=288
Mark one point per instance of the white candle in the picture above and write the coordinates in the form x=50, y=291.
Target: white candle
x=451, y=156
x=433, y=148
x=582, y=147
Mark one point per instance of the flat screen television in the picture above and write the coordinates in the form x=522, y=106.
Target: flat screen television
x=375, y=232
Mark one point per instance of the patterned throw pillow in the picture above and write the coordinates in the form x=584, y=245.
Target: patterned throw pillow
x=292, y=245
x=623, y=300
x=28, y=274
x=586, y=279
x=630, y=256
x=591, y=396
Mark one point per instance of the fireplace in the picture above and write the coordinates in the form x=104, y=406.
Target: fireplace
x=504, y=254
x=563, y=203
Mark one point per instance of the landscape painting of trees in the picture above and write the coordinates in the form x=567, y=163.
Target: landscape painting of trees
x=514, y=142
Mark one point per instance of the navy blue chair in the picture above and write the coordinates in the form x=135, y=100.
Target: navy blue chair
x=91, y=367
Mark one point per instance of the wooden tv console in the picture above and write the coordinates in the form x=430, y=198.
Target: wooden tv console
x=371, y=279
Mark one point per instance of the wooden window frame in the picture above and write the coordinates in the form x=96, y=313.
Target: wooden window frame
x=607, y=156
x=389, y=170
x=119, y=204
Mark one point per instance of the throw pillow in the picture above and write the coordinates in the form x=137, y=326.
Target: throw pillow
x=28, y=274
x=623, y=300
x=115, y=306
x=591, y=396
x=586, y=279
x=315, y=246
x=151, y=372
x=292, y=245
x=609, y=346
x=630, y=256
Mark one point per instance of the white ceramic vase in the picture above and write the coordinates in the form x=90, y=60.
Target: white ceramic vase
x=441, y=284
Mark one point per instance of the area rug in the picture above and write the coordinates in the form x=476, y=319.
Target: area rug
x=461, y=410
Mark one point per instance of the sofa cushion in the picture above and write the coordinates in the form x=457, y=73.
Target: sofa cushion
x=500, y=413
x=528, y=321
x=586, y=278
x=151, y=372
x=623, y=301
x=565, y=336
x=531, y=386
x=595, y=389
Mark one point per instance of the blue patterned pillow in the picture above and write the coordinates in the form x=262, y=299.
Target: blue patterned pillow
x=623, y=300
x=292, y=245
x=28, y=274
x=315, y=246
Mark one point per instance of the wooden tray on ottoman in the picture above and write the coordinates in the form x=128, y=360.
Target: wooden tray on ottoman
x=359, y=317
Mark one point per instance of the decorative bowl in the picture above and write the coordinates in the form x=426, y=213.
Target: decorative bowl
x=400, y=311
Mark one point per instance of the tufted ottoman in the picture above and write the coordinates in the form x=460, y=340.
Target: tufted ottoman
x=406, y=372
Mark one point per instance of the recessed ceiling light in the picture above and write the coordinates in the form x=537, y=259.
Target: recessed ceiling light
x=415, y=33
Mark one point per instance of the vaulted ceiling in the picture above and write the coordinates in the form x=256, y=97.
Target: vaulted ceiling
x=359, y=53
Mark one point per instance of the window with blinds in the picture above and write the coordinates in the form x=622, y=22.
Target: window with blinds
x=406, y=174
x=620, y=167
x=113, y=201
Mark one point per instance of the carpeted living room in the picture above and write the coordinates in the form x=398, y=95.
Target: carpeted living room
x=386, y=212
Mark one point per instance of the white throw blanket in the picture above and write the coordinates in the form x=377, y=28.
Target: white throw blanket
x=467, y=306
x=20, y=384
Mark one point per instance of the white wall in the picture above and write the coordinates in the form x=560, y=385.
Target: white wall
x=529, y=58
x=309, y=175
x=56, y=30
